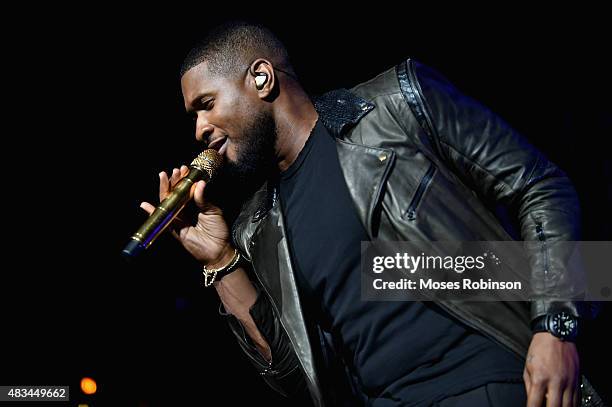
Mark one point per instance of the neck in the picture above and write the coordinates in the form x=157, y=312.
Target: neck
x=295, y=118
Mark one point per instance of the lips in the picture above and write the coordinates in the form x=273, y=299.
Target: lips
x=217, y=143
x=224, y=147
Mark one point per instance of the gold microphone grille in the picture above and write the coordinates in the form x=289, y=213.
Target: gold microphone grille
x=208, y=161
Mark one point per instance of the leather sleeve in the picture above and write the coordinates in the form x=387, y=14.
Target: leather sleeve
x=282, y=373
x=503, y=168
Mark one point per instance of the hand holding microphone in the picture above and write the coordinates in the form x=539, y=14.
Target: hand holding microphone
x=208, y=239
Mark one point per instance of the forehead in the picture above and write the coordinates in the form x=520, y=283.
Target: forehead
x=198, y=80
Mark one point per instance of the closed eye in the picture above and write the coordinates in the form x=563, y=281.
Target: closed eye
x=207, y=104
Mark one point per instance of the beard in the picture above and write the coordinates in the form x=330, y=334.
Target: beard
x=256, y=155
x=255, y=164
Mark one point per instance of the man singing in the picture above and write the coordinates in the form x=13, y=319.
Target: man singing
x=403, y=156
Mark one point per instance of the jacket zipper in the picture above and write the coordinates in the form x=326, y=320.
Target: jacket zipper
x=425, y=181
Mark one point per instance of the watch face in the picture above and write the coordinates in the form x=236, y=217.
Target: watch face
x=563, y=324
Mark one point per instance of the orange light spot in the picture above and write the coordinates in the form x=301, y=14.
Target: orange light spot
x=88, y=385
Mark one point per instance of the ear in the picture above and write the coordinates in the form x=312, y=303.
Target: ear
x=261, y=77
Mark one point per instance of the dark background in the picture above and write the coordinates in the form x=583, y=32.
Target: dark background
x=93, y=112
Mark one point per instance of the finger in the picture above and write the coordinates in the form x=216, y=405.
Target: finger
x=568, y=397
x=147, y=207
x=198, y=195
x=535, y=397
x=554, y=396
x=174, y=178
x=571, y=395
x=184, y=170
x=527, y=380
x=576, y=397
x=164, y=185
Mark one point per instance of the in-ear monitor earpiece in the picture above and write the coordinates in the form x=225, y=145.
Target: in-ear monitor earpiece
x=260, y=80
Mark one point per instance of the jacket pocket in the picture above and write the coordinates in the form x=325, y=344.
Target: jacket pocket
x=424, y=183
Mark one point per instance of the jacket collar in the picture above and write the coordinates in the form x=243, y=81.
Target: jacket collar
x=341, y=109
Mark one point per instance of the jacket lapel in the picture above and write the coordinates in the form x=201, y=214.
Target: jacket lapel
x=260, y=230
x=340, y=110
x=272, y=263
x=356, y=160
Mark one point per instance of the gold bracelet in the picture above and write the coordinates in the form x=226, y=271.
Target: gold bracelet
x=211, y=274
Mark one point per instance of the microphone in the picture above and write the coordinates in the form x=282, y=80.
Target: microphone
x=203, y=167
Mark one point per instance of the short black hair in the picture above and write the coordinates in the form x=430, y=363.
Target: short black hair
x=230, y=47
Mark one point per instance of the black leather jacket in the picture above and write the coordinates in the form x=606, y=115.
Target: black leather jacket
x=409, y=129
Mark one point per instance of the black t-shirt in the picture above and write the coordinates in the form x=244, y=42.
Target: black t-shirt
x=411, y=351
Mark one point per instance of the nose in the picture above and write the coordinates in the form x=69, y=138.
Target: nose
x=203, y=129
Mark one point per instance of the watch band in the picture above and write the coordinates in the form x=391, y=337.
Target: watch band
x=539, y=324
x=546, y=323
